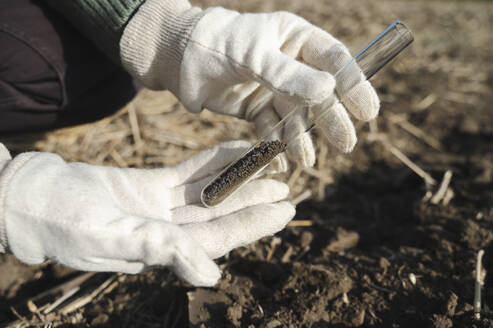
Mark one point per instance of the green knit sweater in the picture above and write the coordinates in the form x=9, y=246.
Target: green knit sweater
x=102, y=21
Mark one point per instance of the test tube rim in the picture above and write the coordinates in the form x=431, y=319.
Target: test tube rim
x=395, y=25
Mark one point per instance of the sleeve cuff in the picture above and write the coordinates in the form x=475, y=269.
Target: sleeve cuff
x=154, y=40
x=100, y=21
x=8, y=168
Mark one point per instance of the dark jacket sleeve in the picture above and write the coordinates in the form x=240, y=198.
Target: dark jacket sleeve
x=101, y=21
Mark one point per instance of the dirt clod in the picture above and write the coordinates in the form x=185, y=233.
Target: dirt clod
x=234, y=314
x=441, y=321
x=343, y=240
x=451, y=304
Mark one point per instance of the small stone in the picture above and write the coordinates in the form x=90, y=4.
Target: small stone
x=441, y=321
x=345, y=299
x=199, y=301
x=343, y=240
x=412, y=278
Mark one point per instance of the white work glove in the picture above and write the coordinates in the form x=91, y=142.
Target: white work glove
x=98, y=218
x=257, y=67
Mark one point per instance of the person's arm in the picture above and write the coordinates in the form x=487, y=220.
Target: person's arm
x=100, y=218
x=258, y=67
x=4, y=160
x=103, y=22
x=100, y=21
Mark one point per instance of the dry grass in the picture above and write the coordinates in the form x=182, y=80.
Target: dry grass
x=154, y=130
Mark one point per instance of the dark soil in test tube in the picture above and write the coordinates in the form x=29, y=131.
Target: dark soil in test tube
x=244, y=168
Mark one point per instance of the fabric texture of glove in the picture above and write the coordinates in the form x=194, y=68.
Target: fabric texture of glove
x=4, y=160
x=257, y=67
x=98, y=218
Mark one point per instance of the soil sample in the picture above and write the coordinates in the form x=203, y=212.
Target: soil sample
x=240, y=171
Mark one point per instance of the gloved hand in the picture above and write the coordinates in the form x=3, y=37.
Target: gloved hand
x=257, y=67
x=128, y=220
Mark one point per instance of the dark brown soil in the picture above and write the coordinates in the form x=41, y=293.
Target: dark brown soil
x=378, y=253
x=235, y=175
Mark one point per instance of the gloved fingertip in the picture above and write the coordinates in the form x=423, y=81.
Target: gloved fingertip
x=348, y=147
x=345, y=142
x=203, y=273
x=278, y=165
x=279, y=188
x=337, y=127
x=209, y=275
x=362, y=101
x=265, y=220
x=189, y=259
x=288, y=210
x=303, y=151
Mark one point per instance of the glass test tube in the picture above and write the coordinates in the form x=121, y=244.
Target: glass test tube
x=364, y=65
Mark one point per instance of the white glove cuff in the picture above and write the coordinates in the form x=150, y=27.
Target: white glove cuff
x=8, y=168
x=4, y=156
x=153, y=42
